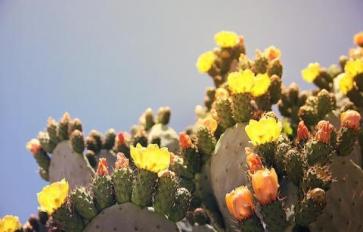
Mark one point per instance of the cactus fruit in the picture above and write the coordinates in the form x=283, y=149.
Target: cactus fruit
x=143, y=188
x=122, y=179
x=68, y=219
x=129, y=217
x=180, y=206
x=205, y=141
x=83, y=203
x=165, y=192
x=228, y=165
x=65, y=163
x=102, y=187
x=77, y=141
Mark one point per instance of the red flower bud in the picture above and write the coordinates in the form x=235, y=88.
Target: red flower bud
x=34, y=146
x=253, y=160
x=121, y=137
x=350, y=119
x=302, y=132
x=324, y=129
x=102, y=169
x=184, y=140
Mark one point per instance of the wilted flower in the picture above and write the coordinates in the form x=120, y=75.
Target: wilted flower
x=302, y=132
x=34, y=146
x=266, y=130
x=253, y=160
x=121, y=161
x=151, y=158
x=272, y=53
x=53, y=196
x=324, y=130
x=226, y=39
x=240, y=203
x=358, y=39
x=102, y=168
x=311, y=72
x=265, y=185
x=350, y=119
x=10, y=223
x=205, y=61
x=184, y=140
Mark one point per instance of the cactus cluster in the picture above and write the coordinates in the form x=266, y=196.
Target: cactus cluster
x=239, y=167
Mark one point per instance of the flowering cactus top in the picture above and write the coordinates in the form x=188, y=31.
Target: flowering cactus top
x=247, y=82
x=10, y=223
x=226, y=39
x=310, y=73
x=240, y=203
x=265, y=185
x=151, y=158
x=53, y=196
x=351, y=69
x=267, y=129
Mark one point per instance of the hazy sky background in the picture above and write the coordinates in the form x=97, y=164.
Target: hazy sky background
x=106, y=61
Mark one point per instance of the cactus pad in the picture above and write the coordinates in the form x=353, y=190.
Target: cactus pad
x=65, y=163
x=129, y=217
x=344, y=199
x=228, y=165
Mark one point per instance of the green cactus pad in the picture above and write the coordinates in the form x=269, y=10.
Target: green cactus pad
x=83, y=203
x=122, y=182
x=164, y=198
x=129, y=217
x=229, y=165
x=103, y=192
x=66, y=163
x=344, y=199
x=143, y=188
x=205, y=141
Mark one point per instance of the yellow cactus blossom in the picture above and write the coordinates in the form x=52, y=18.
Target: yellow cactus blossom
x=205, y=61
x=151, y=158
x=261, y=83
x=53, y=196
x=266, y=130
x=311, y=72
x=246, y=82
x=241, y=82
x=346, y=82
x=226, y=39
x=354, y=67
x=9, y=223
x=210, y=123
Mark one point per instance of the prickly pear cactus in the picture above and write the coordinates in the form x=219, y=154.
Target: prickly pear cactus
x=66, y=163
x=344, y=199
x=129, y=217
x=228, y=165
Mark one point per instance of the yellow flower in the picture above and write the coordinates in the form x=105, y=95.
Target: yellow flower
x=9, y=223
x=226, y=39
x=241, y=82
x=311, y=72
x=205, y=61
x=267, y=129
x=210, y=123
x=151, y=158
x=53, y=196
x=346, y=82
x=286, y=127
x=354, y=67
x=261, y=83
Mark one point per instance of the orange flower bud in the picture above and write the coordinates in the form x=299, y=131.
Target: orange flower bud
x=253, y=160
x=102, y=168
x=350, y=119
x=265, y=185
x=121, y=138
x=272, y=53
x=358, y=39
x=184, y=140
x=302, y=132
x=240, y=203
x=34, y=146
x=324, y=129
x=122, y=161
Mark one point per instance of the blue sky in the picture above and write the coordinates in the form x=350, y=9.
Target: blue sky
x=106, y=61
